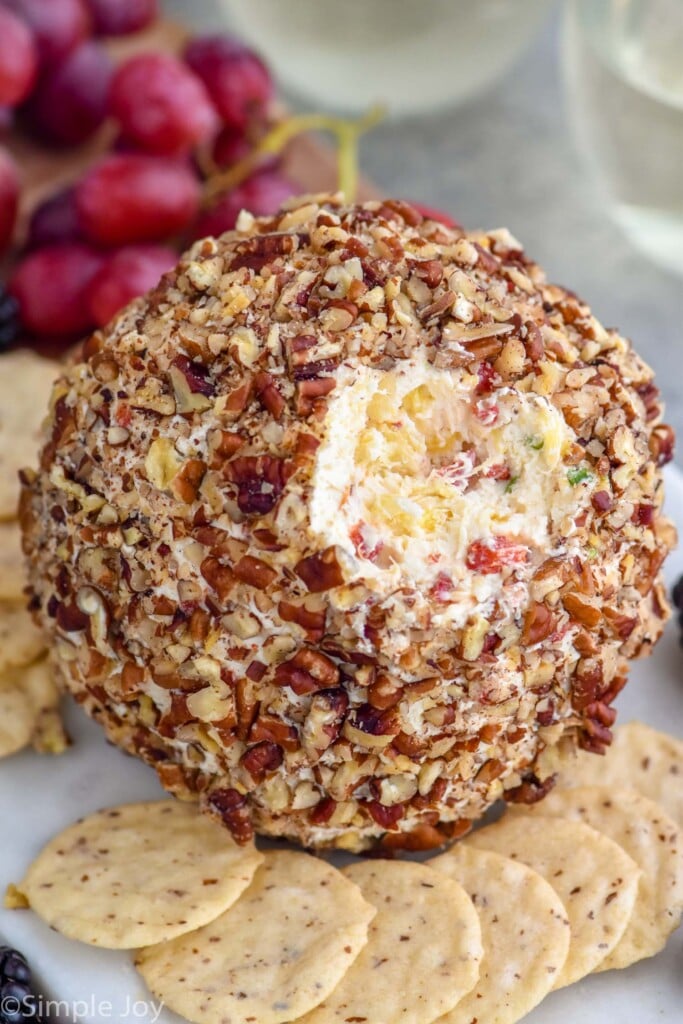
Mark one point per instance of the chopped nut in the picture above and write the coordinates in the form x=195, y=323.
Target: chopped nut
x=162, y=463
x=539, y=623
x=324, y=720
x=320, y=571
x=255, y=572
x=117, y=435
x=396, y=789
x=262, y=759
x=339, y=315
x=368, y=727
x=307, y=671
x=584, y=609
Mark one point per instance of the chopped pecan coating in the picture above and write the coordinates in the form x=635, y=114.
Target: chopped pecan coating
x=227, y=543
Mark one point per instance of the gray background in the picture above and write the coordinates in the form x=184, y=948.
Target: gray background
x=507, y=158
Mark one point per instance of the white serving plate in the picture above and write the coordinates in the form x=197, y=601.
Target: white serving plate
x=40, y=795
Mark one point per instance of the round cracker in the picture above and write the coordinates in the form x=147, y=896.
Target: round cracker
x=273, y=956
x=524, y=929
x=17, y=717
x=28, y=701
x=595, y=879
x=639, y=758
x=21, y=642
x=426, y=930
x=138, y=874
x=49, y=734
x=38, y=682
x=25, y=387
x=653, y=840
x=12, y=571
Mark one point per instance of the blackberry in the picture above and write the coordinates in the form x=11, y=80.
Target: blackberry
x=9, y=319
x=677, y=598
x=17, y=1002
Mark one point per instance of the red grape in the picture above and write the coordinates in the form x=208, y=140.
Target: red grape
x=121, y=17
x=131, y=197
x=9, y=198
x=438, y=215
x=230, y=146
x=18, y=59
x=161, y=105
x=6, y=120
x=127, y=273
x=238, y=82
x=58, y=25
x=52, y=285
x=55, y=220
x=261, y=194
x=70, y=102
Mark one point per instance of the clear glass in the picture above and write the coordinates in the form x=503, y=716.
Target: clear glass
x=623, y=67
x=409, y=55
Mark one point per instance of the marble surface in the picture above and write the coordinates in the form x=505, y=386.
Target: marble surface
x=507, y=158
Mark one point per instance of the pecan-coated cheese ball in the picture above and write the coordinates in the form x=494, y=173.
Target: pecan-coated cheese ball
x=349, y=522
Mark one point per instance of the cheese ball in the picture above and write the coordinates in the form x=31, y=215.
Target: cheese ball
x=349, y=523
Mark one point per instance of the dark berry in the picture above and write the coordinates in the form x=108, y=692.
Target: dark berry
x=17, y=1002
x=10, y=325
x=677, y=594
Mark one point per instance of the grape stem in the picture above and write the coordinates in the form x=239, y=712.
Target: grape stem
x=346, y=132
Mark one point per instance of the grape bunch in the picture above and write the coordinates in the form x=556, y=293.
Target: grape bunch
x=170, y=123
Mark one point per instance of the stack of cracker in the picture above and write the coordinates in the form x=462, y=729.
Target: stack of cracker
x=589, y=880
x=28, y=694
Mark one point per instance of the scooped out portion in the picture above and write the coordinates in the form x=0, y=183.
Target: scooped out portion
x=350, y=523
x=422, y=482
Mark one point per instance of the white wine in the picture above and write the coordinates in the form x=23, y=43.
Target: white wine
x=409, y=55
x=624, y=73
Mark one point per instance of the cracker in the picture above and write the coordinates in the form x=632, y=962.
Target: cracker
x=12, y=570
x=639, y=758
x=26, y=694
x=426, y=930
x=21, y=642
x=38, y=682
x=17, y=718
x=25, y=386
x=49, y=735
x=133, y=875
x=653, y=840
x=595, y=879
x=272, y=957
x=525, y=934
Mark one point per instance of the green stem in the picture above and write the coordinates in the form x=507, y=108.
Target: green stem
x=347, y=134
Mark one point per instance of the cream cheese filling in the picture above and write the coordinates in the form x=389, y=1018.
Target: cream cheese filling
x=422, y=473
